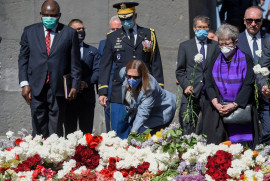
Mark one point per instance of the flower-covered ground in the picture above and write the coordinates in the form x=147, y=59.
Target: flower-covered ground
x=167, y=155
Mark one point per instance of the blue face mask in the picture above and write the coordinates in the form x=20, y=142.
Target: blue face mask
x=49, y=22
x=127, y=24
x=201, y=34
x=133, y=83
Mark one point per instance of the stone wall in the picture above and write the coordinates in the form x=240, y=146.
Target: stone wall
x=169, y=18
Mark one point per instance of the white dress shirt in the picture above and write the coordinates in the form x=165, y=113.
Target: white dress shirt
x=199, y=46
x=250, y=41
x=135, y=31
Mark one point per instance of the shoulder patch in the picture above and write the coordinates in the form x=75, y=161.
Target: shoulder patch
x=152, y=29
x=109, y=32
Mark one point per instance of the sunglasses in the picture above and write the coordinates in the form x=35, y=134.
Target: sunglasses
x=125, y=19
x=80, y=28
x=134, y=77
x=249, y=20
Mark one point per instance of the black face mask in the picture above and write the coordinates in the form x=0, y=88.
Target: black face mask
x=81, y=35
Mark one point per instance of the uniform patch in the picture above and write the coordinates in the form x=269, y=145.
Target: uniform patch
x=118, y=57
x=118, y=46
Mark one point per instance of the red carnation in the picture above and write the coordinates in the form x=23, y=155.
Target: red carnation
x=18, y=141
x=124, y=173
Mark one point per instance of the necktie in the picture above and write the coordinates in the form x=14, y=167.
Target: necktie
x=255, y=48
x=48, y=41
x=48, y=48
x=202, y=51
x=131, y=35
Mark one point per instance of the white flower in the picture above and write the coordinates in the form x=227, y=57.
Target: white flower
x=9, y=134
x=118, y=176
x=198, y=58
x=257, y=69
x=265, y=71
x=258, y=53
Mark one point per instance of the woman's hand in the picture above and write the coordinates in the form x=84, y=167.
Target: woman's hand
x=230, y=108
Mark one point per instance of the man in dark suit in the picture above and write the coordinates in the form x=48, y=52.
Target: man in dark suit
x=48, y=51
x=185, y=67
x=82, y=108
x=114, y=24
x=129, y=42
x=250, y=41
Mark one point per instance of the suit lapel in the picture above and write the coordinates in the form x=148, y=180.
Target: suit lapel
x=140, y=37
x=57, y=36
x=85, y=51
x=209, y=52
x=246, y=45
x=41, y=38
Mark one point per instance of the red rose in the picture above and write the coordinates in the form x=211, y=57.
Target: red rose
x=124, y=173
x=37, y=158
x=93, y=145
x=217, y=175
x=140, y=169
x=112, y=161
x=95, y=160
x=220, y=160
x=146, y=165
x=111, y=167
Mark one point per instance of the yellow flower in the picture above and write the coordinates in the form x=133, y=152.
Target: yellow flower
x=158, y=133
x=147, y=136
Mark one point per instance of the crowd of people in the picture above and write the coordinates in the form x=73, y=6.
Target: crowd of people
x=214, y=70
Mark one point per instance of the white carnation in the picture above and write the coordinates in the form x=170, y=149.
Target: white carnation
x=260, y=160
x=9, y=134
x=257, y=69
x=118, y=176
x=265, y=71
x=258, y=53
x=198, y=58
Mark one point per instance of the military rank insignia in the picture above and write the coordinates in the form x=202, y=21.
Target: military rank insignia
x=147, y=46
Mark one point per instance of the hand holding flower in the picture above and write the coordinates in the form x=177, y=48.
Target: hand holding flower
x=189, y=90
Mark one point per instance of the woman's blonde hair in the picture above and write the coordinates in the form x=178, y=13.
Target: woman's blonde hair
x=140, y=66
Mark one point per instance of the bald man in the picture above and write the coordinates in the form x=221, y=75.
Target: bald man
x=48, y=51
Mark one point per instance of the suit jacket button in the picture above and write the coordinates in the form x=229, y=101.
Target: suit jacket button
x=134, y=56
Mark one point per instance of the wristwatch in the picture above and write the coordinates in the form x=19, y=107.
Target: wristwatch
x=235, y=105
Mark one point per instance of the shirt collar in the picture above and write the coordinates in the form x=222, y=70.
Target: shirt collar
x=53, y=29
x=198, y=41
x=135, y=29
x=250, y=36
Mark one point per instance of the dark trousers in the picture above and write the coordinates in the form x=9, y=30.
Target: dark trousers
x=81, y=109
x=264, y=117
x=47, y=113
x=187, y=125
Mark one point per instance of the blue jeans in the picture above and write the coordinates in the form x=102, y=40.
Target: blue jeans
x=119, y=125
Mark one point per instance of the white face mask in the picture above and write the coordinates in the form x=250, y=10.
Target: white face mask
x=227, y=51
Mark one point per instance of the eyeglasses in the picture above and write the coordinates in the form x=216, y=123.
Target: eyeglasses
x=50, y=15
x=80, y=28
x=126, y=19
x=249, y=20
x=134, y=77
x=225, y=44
x=202, y=27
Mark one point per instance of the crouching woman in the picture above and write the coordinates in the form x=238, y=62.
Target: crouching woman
x=148, y=105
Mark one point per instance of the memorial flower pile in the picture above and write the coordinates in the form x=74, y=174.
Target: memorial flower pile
x=167, y=155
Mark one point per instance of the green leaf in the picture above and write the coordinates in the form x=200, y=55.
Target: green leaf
x=146, y=132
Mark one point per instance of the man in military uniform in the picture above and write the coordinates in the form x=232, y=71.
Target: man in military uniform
x=127, y=43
